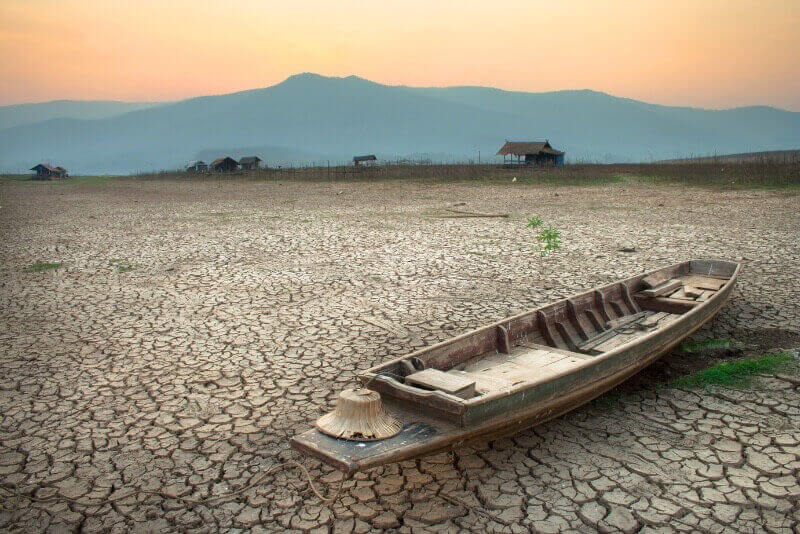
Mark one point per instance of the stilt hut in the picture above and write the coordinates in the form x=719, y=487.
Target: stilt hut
x=225, y=164
x=364, y=160
x=250, y=163
x=197, y=166
x=532, y=153
x=45, y=171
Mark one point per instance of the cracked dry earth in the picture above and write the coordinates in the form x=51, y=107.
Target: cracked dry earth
x=249, y=305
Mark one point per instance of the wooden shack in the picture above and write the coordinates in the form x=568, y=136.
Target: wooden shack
x=197, y=166
x=250, y=163
x=532, y=153
x=225, y=164
x=45, y=171
x=364, y=160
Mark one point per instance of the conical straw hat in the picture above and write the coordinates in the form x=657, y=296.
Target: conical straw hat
x=359, y=416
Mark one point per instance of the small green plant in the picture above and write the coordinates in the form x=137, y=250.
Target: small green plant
x=535, y=222
x=549, y=239
x=40, y=266
x=122, y=266
x=737, y=372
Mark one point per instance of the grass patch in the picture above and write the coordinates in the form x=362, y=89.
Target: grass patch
x=738, y=372
x=122, y=266
x=40, y=266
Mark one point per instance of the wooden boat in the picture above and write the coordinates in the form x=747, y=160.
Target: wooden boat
x=531, y=367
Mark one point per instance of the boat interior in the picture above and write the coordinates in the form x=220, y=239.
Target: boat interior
x=533, y=346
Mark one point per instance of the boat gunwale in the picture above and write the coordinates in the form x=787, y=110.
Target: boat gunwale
x=596, y=360
x=460, y=406
x=495, y=426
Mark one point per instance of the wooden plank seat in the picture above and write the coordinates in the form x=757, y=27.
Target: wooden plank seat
x=460, y=386
x=526, y=363
x=703, y=282
x=667, y=287
x=678, y=295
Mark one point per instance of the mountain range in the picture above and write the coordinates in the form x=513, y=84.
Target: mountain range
x=311, y=118
x=21, y=114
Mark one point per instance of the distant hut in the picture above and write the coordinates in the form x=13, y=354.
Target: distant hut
x=532, y=153
x=358, y=160
x=45, y=171
x=225, y=164
x=197, y=166
x=250, y=163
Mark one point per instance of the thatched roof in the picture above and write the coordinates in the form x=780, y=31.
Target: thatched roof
x=368, y=157
x=45, y=166
x=220, y=161
x=249, y=159
x=516, y=148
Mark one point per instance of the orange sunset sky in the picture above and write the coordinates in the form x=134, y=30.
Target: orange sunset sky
x=708, y=53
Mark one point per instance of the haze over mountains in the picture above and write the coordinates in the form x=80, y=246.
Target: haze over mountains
x=20, y=114
x=311, y=118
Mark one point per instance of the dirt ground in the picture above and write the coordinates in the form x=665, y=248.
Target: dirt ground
x=193, y=327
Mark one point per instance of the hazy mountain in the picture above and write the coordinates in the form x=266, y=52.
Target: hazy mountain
x=21, y=114
x=310, y=118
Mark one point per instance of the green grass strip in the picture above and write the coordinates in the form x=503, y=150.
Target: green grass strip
x=737, y=372
x=40, y=266
x=693, y=346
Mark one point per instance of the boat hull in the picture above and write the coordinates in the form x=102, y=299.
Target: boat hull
x=426, y=432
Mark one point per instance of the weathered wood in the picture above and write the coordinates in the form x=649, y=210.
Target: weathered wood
x=565, y=335
x=600, y=302
x=681, y=294
x=503, y=342
x=705, y=296
x=592, y=343
x=595, y=319
x=554, y=349
x=627, y=319
x=712, y=269
x=615, y=341
x=451, y=384
x=626, y=297
x=544, y=328
x=693, y=292
x=655, y=279
x=518, y=392
x=654, y=319
x=618, y=309
x=667, y=287
x=614, y=326
x=576, y=322
x=665, y=304
x=703, y=282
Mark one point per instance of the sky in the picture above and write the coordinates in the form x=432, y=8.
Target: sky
x=707, y=53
